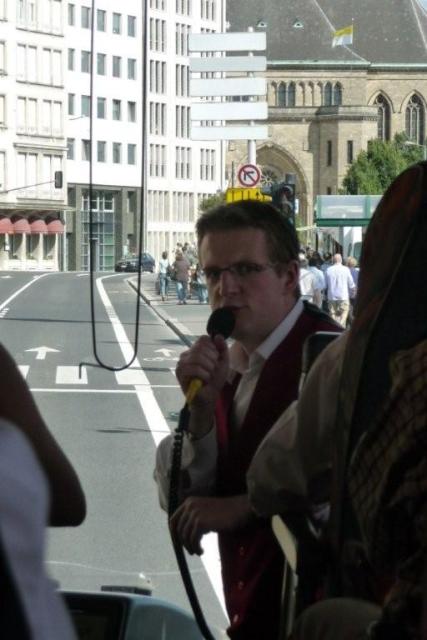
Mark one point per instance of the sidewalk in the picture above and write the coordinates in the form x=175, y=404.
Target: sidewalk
x=187, y=321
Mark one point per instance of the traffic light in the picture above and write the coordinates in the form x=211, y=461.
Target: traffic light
x=58, y=179
x=283, y=197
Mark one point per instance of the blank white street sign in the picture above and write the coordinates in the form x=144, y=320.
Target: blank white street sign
x=228, y=87
x=250, y=132
x=229, y=111
x=229, y=63
x=244, y=41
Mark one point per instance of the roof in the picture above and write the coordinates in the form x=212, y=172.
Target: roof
x=386, y=32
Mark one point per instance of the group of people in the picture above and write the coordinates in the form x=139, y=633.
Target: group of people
x=329, y=283
x=185, y=273
x=353, y=441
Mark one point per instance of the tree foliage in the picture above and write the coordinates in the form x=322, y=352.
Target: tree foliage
x=375, y=169
x=212, y=201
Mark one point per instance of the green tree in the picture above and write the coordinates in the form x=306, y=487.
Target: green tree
x=375, y=169
x=211, y=201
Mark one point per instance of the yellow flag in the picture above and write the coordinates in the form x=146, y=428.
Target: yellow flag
x=343, y=36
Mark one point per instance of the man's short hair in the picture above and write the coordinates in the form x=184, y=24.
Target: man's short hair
x=281, y=237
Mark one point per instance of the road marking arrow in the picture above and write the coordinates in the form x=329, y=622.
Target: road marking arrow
x=167, y=353
x=42, y=351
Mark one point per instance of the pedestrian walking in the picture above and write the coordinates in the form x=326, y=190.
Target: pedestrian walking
x=340, y=286
x=181, y=267
x=164, y=270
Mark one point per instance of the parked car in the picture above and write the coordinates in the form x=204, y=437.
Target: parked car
x=130, y=263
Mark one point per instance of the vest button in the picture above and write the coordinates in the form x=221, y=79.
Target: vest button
x=235, y=618
x=240, y=585
x=241, y=551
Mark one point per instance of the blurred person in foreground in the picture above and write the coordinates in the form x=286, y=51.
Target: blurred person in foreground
x=249, y=254
x=40, y=488
x=362, y=417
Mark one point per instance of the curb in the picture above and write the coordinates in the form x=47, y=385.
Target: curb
x=178, y=328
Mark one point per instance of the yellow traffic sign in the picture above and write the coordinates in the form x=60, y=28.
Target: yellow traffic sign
x=250, y=193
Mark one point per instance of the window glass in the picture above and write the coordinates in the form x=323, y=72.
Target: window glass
x=117, y=22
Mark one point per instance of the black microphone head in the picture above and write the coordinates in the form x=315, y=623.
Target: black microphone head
x=221, y=322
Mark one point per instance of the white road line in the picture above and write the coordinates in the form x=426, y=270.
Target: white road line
x=35, y=278
x=70, y=375
x=131, y=376
x=24, y=368
x=157, y=423
x=77, y=390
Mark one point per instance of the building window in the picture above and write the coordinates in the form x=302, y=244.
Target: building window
x=101, y=20
x=117, y=109
x=100, y=150
x=85, y=18
x=131, y=111
x=71, y=14
x=131, y=153
x=117, y=22
x=100, y=107
x=131, y=69
x=350, y=151
x=85, y=62
x=337, y=94
x=132, y=26
x=71, y=59
x=100, y=63
x=415, y=120
x=383, y=122
x=85, y=106
x=327, y=94
x=329, y=153
x=86, y=150
x=117, y=152
x=117, y=67
x=2, y=112
x=70, y=148
x=291, y=94
x=328, y=191
x=71, y=104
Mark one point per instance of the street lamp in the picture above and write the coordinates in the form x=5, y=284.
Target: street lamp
x=411, y=143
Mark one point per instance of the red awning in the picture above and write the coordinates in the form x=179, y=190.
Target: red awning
x=21, y=225
x=6, y=225
x=38, y=226
x=55, y=226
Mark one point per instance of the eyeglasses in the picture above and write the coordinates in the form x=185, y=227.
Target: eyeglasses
x=240, y=270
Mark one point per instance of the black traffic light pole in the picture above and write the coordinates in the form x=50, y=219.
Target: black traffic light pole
x=57, y=181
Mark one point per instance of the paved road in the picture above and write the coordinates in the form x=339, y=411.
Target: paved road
x=107, y=422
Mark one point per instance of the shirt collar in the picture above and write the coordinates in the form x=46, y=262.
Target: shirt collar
x=239, y=359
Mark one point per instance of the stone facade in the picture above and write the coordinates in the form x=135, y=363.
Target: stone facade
x=317, y=142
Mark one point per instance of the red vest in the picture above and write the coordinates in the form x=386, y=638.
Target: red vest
x=251, y=559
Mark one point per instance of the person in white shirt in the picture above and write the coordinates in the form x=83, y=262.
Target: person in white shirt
x=307, y=281
x=320, y=285
x=340, y=286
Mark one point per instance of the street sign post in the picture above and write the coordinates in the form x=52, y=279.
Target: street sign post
x=249, y=175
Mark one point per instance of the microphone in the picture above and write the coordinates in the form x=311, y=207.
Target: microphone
x=221, y=322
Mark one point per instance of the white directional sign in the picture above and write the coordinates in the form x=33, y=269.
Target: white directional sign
x=167, y=353
x=249, y=175
x=42, y=351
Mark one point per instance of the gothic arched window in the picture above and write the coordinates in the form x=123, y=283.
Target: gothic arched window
x=291, y=94
x=383, y=122
x=327, y=94
x=281, y=95
x=415, y=120
x=337, y=94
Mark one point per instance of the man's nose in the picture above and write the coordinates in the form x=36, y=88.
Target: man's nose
x=228, y=283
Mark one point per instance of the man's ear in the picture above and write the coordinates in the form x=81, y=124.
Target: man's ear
x=290, y=276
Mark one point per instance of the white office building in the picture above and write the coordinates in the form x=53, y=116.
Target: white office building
x=32, y=142
x=45, y=102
